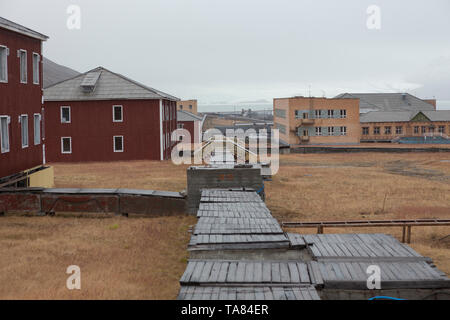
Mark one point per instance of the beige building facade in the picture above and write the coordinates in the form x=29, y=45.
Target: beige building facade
x=310, y=120
x=188, y=105
x=390, y=126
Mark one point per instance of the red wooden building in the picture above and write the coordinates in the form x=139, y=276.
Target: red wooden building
x=21, y=137
x=103, y=116
x=192, y=123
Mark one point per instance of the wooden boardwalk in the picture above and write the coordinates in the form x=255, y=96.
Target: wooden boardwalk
x=248, y=293
x=239, y=221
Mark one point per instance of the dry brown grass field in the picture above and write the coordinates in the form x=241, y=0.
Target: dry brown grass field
x=143, y=258
x=316, y=187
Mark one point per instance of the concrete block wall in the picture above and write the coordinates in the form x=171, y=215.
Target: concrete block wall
x=219, y=177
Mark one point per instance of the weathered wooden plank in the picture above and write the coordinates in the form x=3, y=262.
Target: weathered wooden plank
x=188, y=272
x=276, y=278
x=303, y=271
x=240, y=271
x=197, y=273
x=284, y=273
x=289, y=293
x=268, y=294
x=249, y=271
x=267, y=272
x=223, y=273
x=278, y=293
x=259, y=293
x=315, y=273
x=206, y=272
x=189, y=293
x=258, y=272
x=231, y=275
x=294, y=272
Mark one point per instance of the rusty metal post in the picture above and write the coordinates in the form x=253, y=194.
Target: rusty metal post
x=320, y=230
x=404, y=234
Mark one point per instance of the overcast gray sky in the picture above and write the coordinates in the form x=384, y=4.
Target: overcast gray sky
x=246, y=50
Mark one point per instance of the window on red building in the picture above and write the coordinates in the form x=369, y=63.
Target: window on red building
x=3, y=64
x=66, y=145
x=65, y=114
x=4, y=133
x=117, y=114
x=37, y=128
x=118, y=143
x=36, y=61
x=23, y=66
x=24, y=129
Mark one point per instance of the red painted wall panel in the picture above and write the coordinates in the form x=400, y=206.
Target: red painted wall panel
x=17, y=98
x=169, y=125
x=92, y=130
x=189, y=126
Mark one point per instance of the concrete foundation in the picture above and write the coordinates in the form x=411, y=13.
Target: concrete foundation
x=220, y=176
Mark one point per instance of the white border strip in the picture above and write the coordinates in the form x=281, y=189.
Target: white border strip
x=161, y=130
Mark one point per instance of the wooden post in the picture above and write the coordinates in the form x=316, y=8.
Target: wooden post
x=404, y=234
x=408, y=240
x=320, y=230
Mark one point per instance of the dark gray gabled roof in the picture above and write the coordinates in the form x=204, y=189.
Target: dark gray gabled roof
x=382, y=116
x=187, y=116
x=438, y=115
x=108, y=86
x=404, y=116
x=9, y=25
x=388, y=102
x=54, y=73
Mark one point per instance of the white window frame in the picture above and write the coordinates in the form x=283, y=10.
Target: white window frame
x=343, y=113
x=317, y=113
x=61, y=114
x=343, y=131
x=62, y=145
x=6, y=64
x=38, y=127
x=114, y=113
x=376, y=130
x=36, y=68
x=114, y=144
x=22, y=134
x=330, y=131
x=318, y=131
x=19, y=53
x=7, y=131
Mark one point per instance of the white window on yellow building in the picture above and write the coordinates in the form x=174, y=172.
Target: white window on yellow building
x=330, y=131
x=318, y=131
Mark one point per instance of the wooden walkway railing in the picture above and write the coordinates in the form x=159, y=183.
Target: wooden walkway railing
x=405, y=224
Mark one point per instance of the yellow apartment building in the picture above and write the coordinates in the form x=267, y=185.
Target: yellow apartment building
x=188, y=105
x=311, y=120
